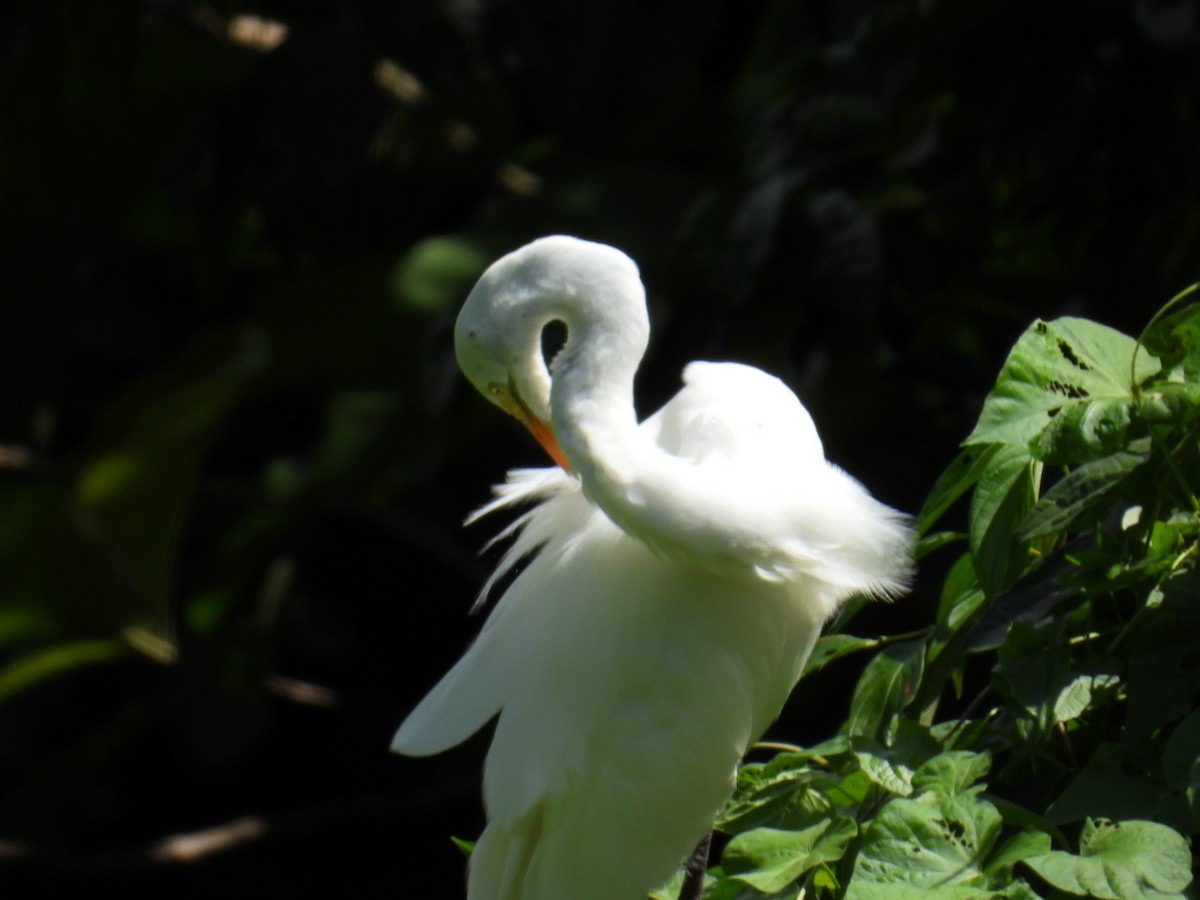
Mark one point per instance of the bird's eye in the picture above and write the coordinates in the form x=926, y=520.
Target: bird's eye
x=496, y=390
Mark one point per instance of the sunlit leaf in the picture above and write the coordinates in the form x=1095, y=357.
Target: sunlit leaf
x=1132, y=860
x=926, y=844
x=1056, y=367
x=890, y=774
x=769, y=859
x=1016, y=849
x=951, y=773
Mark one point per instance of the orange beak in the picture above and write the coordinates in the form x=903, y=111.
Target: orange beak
x=541, y=431
x=543, y=434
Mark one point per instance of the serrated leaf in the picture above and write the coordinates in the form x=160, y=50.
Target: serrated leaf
x=1133, y=860
x=769, y=859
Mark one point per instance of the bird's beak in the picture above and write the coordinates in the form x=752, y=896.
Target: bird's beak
x=541, y=431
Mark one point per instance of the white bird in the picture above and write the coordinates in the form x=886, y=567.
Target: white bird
x=676, y=575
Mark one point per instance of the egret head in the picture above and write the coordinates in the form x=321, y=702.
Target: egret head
x=593, y=289
x=498, y=335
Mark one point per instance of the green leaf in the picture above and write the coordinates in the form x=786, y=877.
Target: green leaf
x=1105, y=789
x=1035, y=668
x=933, y=542
x=926, y=843
x=1181, y=751
x=1019, y=817
x=890, y=774
x=1175, y=338
x=873, y=891
x=1132, y=860
x=1163, y=667
x=1016, y=849
x=437, y=273
x=1079, y=491
x=1084, y=431
x=831, y=647
x=39, y=665
x=1031, y=599
x=951, y=773
x=791, y=792
x=955, y=481
x=1181, y=763
x=1054, y=368
x=134, y=494
x=1003, y=494
x=769, y=859
x=887, y=685
x=1074, y=699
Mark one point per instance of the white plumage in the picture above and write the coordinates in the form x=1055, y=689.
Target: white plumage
x=673, y=586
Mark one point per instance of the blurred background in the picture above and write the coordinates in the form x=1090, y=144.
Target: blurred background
x=235, y=451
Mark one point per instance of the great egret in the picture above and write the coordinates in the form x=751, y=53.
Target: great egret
x=676, y=575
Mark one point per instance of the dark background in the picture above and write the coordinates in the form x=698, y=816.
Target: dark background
x=234, y=447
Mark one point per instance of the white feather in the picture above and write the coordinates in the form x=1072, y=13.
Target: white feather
x=667, y=602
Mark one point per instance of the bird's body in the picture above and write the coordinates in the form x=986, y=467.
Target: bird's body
x=671, y=591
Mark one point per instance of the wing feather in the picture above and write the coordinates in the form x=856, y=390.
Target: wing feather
x=631, y=668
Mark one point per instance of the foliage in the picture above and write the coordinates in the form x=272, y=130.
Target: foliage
x=235, y=452
x=1042, y=737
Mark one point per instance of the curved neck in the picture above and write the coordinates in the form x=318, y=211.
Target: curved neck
x=591, y=394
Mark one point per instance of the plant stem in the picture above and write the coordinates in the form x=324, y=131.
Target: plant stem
x=696, y=866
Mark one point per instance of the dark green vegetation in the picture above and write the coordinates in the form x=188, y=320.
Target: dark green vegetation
x=234, y=449
x=1064, y=646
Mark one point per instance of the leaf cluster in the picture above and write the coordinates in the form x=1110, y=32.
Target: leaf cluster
x=1062, y=665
